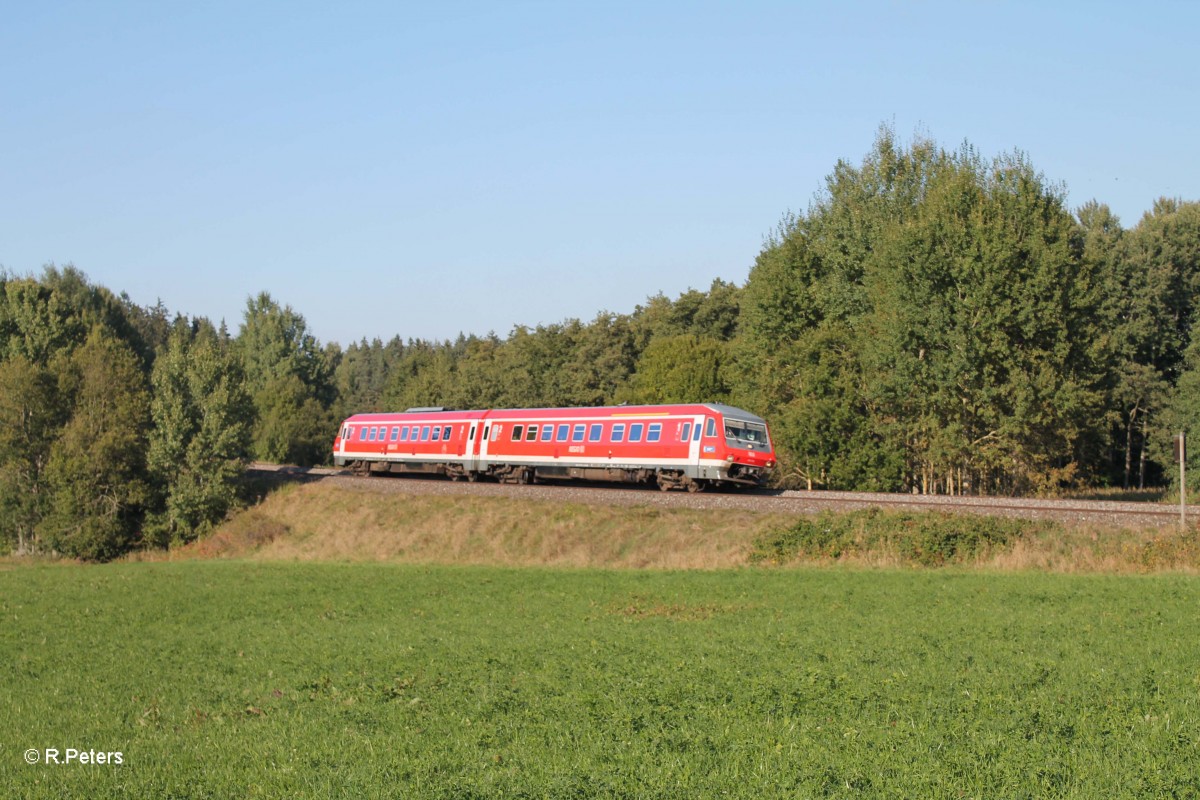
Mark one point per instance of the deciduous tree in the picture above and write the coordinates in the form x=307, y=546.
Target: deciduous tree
x=32, y=413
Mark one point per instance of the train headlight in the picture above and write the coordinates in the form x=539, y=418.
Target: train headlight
x=770, y=463
x=729, y=458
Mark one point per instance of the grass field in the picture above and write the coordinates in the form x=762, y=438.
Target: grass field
x=245, y=679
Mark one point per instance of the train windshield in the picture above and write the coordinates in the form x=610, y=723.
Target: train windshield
x=745, y=434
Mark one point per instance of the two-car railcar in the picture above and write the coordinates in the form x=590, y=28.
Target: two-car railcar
x=676, y=446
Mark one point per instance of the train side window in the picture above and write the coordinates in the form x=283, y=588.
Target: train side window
x=685, y=432
x=374, y=433
x=362, y=434
x=516, y=434
x=471, y=434
x=436, y=433
x=654, y=432
x=404, y=434
x=547, y=433
x=424, y=433
x=618, y=432
x=577, y=433
x=531, y=434
x=562, y=432
x=395, y=433
x=446, y=433
x=635, y=432
x=486, y=430
x=416, y=433
x=711, y=428
x=696, y=433
x=595, y=432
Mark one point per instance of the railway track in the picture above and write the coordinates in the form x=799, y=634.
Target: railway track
x=1083, y=512
x=1062, y=510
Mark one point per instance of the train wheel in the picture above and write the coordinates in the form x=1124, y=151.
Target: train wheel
x=695, y=486
x=472, y=476
x=664, y=485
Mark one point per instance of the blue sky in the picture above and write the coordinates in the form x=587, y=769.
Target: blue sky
x=421, y=170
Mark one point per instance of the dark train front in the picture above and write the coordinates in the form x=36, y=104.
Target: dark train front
x=747, y=450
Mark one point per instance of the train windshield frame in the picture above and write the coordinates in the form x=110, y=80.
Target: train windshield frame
x=743, y=434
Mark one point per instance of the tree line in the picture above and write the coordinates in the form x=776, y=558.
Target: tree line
x=933, y=322
x=939, y=322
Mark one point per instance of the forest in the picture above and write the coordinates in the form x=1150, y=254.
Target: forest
x=935, y=321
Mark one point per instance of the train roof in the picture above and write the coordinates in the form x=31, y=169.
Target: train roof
x=624, y=410
x=736, y=413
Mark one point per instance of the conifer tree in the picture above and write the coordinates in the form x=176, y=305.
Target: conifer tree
x=200, y=442
x=97, y=467
x=290, y=379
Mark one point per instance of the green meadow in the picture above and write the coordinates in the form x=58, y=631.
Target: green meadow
x=246, y=679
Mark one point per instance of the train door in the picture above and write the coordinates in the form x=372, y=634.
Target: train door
x=484, y=437
x=347, y=432
x=472, y=462
x=710, y=441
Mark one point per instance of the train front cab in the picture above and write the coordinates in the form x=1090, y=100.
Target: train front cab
x=742, y=441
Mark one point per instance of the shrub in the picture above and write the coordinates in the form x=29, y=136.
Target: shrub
x=927, y=539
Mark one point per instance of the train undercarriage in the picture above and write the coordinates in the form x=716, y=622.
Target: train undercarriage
x=733, y=476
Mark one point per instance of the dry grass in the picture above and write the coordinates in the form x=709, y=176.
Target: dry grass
x=1092, y=550
x=1156, y=494
x=323, y=522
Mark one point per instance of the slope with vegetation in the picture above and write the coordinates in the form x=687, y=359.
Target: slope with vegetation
x=394, y=521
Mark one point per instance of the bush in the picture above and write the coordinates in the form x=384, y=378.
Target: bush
x=926, y=539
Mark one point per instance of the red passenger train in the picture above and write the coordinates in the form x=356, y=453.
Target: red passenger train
x=677, y=446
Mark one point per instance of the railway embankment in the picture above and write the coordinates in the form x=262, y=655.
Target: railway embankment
x=325, y=515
